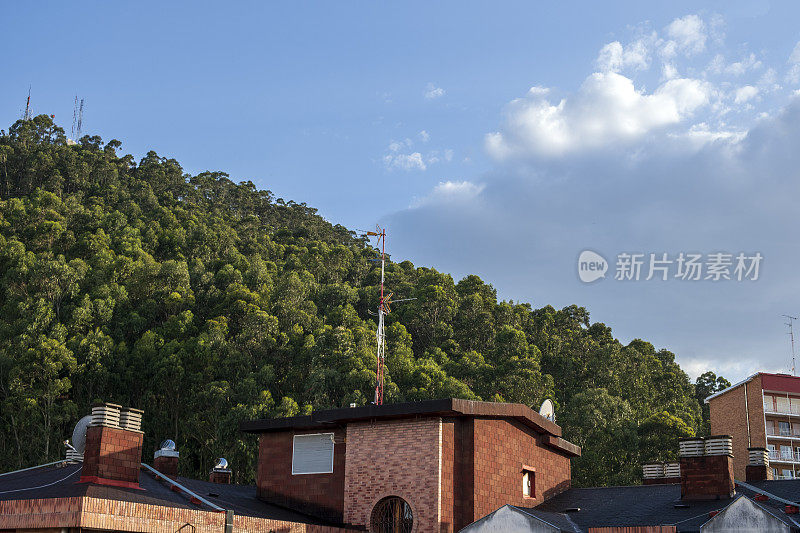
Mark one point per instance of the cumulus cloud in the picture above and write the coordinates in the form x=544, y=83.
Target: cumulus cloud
x=620, y=166
x=606, y=110
x=614, y=57
x=744, y=94
x=793, y=76
x=424, y=136
x=412, y=161
x=432, y=91
x=687, y=34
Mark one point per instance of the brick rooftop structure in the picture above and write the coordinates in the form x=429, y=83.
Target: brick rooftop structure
x=450, y=461
x=762, y=411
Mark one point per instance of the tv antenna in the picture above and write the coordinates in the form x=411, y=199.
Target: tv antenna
x=27, y=115
x=80, y=119
x=384, y=308
x=789, y=321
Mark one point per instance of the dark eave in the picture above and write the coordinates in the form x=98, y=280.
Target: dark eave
x=449, y=407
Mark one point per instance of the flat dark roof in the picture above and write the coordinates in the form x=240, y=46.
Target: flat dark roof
x=449, y=407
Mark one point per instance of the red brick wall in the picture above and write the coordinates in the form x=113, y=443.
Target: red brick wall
x=448, y=487
x=729, y=417
x=112, y=454
x=166, y=465
x=317, y=494
x=501, y=448
x=394, y=458
x=707, y=477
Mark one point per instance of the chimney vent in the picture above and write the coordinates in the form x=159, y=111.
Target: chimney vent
x=113, y=454
x=719, y=445
x=653, y=473
x=672, y=471
x=757, y=465
x=165, y=460
x=691, y=447
x=707, y=468
x=221, y=473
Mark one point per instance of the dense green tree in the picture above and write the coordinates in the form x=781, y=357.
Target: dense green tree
x=207, y=302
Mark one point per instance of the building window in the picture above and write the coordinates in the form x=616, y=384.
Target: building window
x=783, y=428
x=312, y=454
x=528, y=483
x=392, y=515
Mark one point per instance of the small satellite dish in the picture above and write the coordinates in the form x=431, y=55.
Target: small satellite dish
x=168, y=445
x=79, y=433
x=547, y=411
x=222, y=464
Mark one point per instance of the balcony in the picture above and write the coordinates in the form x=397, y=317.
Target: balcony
x=784, y=456
x=783, y=433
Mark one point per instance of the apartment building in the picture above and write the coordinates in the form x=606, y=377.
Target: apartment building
x=761, y=411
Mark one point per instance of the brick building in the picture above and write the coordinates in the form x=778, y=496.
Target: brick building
x=428, y=466
x=761, y=411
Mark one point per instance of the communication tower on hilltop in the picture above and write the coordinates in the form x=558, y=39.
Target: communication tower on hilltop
x=384, y=303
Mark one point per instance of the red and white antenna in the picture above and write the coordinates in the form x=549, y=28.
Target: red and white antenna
x=383, y=309
x=384, y=303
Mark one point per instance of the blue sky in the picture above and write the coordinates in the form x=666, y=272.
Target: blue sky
x=497, y=138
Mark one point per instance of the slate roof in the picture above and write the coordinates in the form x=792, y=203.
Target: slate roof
x=62, y=482
x=649, y=505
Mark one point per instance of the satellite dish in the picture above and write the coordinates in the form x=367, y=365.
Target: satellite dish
x=222, y=464
x=79, y=433
x=547, y=411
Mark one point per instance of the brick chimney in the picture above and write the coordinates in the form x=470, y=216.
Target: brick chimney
x=221, y=473
x=758, y=465
x=113, y=451
x=165, y=460
x=706, y=467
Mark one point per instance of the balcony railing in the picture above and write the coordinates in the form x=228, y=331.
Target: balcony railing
x=779, y=455
x=783, y=410
x=783, y=432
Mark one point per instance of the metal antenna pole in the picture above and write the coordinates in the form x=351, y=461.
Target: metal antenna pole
x=28, y=105
x=74, y=116
x=790, y=319
x=80, y=121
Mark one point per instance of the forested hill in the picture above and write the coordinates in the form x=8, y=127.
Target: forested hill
x=207, y=302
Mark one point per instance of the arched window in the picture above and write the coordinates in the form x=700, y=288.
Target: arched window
x=392, y=515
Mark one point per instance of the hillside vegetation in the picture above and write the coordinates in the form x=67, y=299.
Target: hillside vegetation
x=206, y=302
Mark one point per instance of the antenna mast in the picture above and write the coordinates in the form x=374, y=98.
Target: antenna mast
x=790, y=319
x=27, y=115
x=74, y=116
x=383, y=309
x=80, y=120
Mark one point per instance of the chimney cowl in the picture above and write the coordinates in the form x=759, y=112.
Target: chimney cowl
x=719, y=445
x=653, y=470
x=691, y=447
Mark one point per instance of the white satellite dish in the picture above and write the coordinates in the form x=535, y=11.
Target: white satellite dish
x=547, y=411
x=79, y=433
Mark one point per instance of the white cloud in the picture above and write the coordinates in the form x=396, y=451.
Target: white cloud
x=741, y=67
x=424, y=136
x=794, y=57
x=743, y=94
x=411, y=161
x=449, y=192
x=687, y=34
x=432, y=91
x=606, y=110
x=613, y=57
